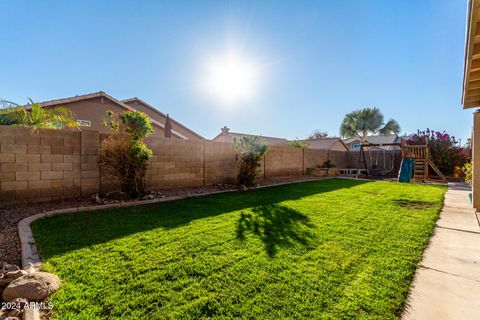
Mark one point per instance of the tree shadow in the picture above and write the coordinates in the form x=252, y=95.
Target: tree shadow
x=276, y=226
x=63, y=233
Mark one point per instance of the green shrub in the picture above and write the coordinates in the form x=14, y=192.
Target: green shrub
x=328, y=164
x=251, y=149
x=467, y=171
x=123, y=154
x=298, y=144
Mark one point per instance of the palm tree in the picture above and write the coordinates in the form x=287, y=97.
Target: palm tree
x=361, y=123
x=4, y=104
x=37, y=117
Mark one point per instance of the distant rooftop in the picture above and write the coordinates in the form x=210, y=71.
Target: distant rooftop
x=227, y=136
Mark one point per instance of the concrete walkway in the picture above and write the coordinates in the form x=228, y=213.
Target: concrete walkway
x=447, y=284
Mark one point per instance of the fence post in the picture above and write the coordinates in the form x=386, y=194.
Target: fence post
x=264, y=166
x=204, y=165
x=303, y=161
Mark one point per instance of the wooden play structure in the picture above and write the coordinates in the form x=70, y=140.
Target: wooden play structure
x=423, y=167
x=415, y=163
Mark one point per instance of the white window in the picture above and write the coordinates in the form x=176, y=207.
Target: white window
x=356, y=147
x=84, y=123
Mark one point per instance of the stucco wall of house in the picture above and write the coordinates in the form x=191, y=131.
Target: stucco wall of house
x=338, y=146
x=93, y=110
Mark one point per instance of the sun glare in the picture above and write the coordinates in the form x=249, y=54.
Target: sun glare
x=231, y=79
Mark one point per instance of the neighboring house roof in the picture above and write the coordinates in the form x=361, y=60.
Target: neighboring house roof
x=163, y=114
x=102, y=94
x=324, y=143
x=380, y=139
x=227, y=136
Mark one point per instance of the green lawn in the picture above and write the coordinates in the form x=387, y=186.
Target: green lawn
x=332, y=249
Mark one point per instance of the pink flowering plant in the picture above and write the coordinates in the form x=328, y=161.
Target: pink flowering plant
x=445, y=151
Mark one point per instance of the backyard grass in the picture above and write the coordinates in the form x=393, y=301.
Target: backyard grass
x=332, y=249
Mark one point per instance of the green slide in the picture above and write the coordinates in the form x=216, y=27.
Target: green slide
x=406, y=170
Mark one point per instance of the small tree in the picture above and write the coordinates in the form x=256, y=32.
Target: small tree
x=317, y=134
x=123, y=154
x=445, y=150
x=251, y=149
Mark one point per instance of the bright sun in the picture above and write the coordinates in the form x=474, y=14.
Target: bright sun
x=231, y=79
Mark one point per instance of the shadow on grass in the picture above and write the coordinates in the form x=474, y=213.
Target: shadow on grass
x=415, y=204
x=60, y=234
x=276, y=226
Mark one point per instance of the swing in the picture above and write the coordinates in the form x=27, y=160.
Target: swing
x=373, y=165
x=392, y=159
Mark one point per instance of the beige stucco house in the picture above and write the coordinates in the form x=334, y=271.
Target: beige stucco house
x=354, y=144
x=89, y=111
x=226, y=136
x=334, y=144
x=471, y=90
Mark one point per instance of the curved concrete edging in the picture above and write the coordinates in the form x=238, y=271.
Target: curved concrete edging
x=30, y=258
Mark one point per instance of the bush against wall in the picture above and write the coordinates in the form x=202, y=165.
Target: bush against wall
x=251, y=149
x=467, y=172
x=445, y=151
x=123, y=155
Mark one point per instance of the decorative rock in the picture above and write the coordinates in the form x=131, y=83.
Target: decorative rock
x=35, y=286
x=14, y=313
x=8, y=267
x=16, y=274
x=5, y=281
x=148, y=197
x=20, y=302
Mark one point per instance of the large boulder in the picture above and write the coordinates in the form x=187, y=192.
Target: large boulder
x=34, y=286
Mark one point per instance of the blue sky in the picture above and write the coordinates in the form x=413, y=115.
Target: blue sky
x=318, y=59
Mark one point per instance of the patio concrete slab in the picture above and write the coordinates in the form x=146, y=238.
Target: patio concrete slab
x=441, y=296
x=448, y=280
x=454, y=218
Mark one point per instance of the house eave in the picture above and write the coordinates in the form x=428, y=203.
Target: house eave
x=471, y=72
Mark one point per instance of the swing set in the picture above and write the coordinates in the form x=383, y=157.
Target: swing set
x=415, y=163
x=371, y=167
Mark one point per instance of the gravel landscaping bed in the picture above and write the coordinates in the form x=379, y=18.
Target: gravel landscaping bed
x=10, y=250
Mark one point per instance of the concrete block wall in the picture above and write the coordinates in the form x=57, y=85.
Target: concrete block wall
x=42, y=165
x=175, y=163
x=338, y=158
x=220, y=163
x=313, y=158
x=283, y=161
